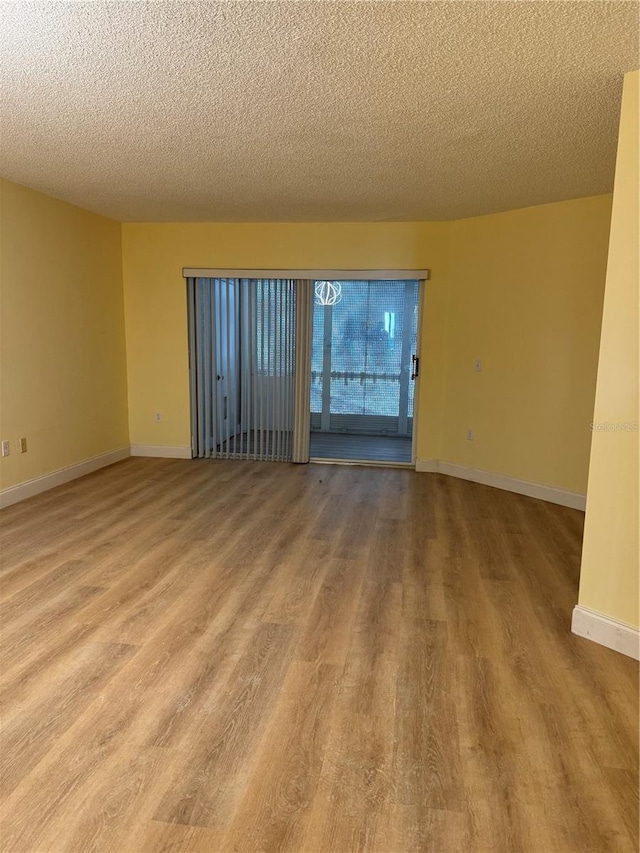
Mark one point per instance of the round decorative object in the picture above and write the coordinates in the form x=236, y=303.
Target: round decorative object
x=328, y=292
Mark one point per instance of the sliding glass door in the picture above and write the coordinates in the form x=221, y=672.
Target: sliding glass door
x=364, y=340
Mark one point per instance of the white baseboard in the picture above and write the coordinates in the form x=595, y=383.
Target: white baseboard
x=162, y=451
x=575, y=500
x=606, y=631
x=22, y=491
x=427, y=466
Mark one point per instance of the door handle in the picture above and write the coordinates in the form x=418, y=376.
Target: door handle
x=415, y=366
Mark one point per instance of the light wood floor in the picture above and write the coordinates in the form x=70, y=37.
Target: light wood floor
x=233, y=656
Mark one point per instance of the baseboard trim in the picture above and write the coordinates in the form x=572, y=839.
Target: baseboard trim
x=575, y=500
x=427, y=466
x=606, y=631
x=22, y=491
x=162, y=451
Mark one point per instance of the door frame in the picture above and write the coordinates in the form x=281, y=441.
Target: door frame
x=416, y=389
x=309, y=274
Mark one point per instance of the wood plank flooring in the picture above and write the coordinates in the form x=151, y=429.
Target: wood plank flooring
x=205, y=656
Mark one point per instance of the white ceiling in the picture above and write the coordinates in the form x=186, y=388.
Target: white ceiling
x=309, y=111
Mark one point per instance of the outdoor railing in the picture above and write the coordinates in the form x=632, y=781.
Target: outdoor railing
x=352, y=376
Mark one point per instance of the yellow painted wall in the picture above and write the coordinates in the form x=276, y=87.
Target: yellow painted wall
x=522, y=290
x=155, y=301
x=62, y=346
x=525, y=296
x=609, y=578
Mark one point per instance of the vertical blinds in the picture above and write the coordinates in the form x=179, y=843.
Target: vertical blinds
x=242, y=345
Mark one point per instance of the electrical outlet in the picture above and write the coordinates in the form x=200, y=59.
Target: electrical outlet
x=470, y=435
x=5, y=448
x=158, y=417
x=23, y=445
x=477, y=365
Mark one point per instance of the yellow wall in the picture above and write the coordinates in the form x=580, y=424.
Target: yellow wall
x=525, y=296
x=609, y=578
x=62, y=347
x=155, y=300
x=522, y=290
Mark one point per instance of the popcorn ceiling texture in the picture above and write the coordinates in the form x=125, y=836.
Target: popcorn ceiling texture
x=311, y=111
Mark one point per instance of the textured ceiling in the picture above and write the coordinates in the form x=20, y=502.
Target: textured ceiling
x=303, y=111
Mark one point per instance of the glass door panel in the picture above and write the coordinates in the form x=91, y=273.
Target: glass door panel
x=361, y=359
